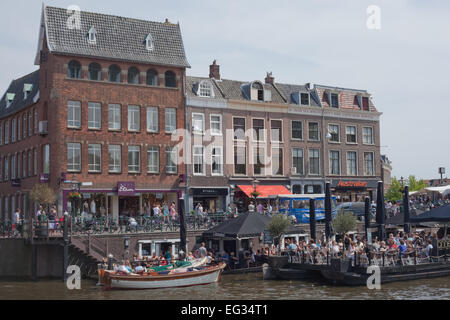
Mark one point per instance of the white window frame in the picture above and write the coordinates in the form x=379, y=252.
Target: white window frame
x=73, y=110
x=195, y=156
x=196, y=130
x=151, y=150
x=263, y=161
x=245, y=128
x=13, y=130
x=372, y=136
x=152, y=114
x=173, y=153
x=136, y=149
x=347, y=162
x=309, y=162
x=356, y=134
x=116, y=110
x=292, y=131
x=13, y=166
x=281, y=130
x=264, y=130
x=318, y=131
x=240, y=145
x=97, y=152
x=134, y=118
x=94, y=109
x=170, y=116
x=330, y=165
x=303, y=162
x=338, y=132
x=7, y=132
x=73, y=167
x=366, y=173
x=112, y=150
x=217, y=156
x=219, y=132
x=203, y=91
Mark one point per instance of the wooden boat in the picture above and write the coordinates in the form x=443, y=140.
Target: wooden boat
x=172, y=279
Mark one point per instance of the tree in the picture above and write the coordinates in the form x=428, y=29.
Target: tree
x=416, y=185
x=43, y=195
x=395, y=191
x=344, y=222
x=278, y=226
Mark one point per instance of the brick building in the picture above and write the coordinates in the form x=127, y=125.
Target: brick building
x=100, y=110
x=287, y=136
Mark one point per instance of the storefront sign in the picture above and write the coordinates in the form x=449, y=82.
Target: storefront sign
x=45, y=177
x=86, y=195
x=218, y=235
x=267, y=237
x=353, y=184
x=126, y=189
x=159, y=196
x=210, y=192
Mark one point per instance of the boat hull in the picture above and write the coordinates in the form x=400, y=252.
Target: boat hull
x=193, y=278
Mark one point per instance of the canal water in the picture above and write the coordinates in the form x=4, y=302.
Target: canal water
x=234, y=287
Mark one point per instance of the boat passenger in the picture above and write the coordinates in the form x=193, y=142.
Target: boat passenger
x=190, y=256
x=428, y=248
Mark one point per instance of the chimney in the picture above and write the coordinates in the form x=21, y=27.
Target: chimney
x=269, y=78
x=214, y=71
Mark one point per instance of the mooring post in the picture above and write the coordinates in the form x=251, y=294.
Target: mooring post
x=66, y=246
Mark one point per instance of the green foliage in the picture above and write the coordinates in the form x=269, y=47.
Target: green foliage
x=344, y=222
x=395, y=192
x=278, y=226
x=43, y=194
x=416, y=185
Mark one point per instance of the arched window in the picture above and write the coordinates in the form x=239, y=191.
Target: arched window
x=257, y=91
x=205, y=89
x=114, y=73
x=133, y=75
x=95, y=72
x=74, y=70
x=152, y=77
x=170, y=79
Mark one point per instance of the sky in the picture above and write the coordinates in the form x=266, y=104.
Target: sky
x=404, y=64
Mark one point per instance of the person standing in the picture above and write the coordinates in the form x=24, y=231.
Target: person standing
x=202, y=250
x=251, y=207
x=260, y=208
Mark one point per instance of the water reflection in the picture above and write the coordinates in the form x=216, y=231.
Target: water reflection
x=233, y=287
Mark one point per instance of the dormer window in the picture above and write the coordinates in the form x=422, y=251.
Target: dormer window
x=149, y=43
x=92, y=36
x=9, y=99
x=304, y=99
x=363, y=102
x=333, y=99
x=27, y=90
x=205, y=89
x=258, y=93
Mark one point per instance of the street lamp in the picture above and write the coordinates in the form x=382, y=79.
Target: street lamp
x=402, y=181
x=255, y=193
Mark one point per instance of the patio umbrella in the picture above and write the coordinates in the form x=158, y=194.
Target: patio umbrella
x=367, y=217
x=381, y=216
x=328, y=217
x=406, y=209
x=182, y=227
x=312, y=218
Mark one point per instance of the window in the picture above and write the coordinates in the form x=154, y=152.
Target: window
x=240, y=166
x=277, y=161
x=6, y=166
x=170, y=80
x=19, y=168
x=95, y=72
x=133, y=75
x=199, y=160
x=153, y=160
x=74, y=114
x=216, y=161
x=259, y=160
x=94, y=115
x=335, y=165
x=19, y=128
x=36, y=120
x=276, y=130
x=297, y=130
x=114, y=117
x=149, y=42
x=334, y=97
x=29, y=163
x=1, y=133
x=35, y=167
x=152, y=119
x=198, y=123
x=314, y=164
x=74, y=70
x=73, y=157
x=368, y=135
x=13, y=130
x=365, y=103
x=352, y=163
x=205, y=89
x=297, y=160
x=92, y=36
x=115, y=158
x=333, y=129
x=30, y=124
x=257, y=91
x=134, y=159
x=351, y=134
x=368, y=164
x=313, y=131
x=304, y=99
x=171, y=160
x=94, y=158
x=24, y=164
x=134, y=118
x=46, y=159
x=7, y=132
x=239, y=128
x=152, y=78
x=24, y=126
x=114, y=73
x=13, y=167
x=216, y=124
x=258, y=130
x=171, y=120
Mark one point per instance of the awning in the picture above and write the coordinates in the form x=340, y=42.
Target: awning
x=264, y=191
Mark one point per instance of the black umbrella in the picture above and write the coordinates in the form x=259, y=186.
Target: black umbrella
x=312, y=218
x=182, y=227
x=406, y=209
x=367, y=217
x=381, y=212
x=328, y=217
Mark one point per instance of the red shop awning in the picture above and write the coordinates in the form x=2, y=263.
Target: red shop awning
x=265, y=191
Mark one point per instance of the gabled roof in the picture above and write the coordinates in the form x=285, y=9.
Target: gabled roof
x=17, y=87
x=118, y=38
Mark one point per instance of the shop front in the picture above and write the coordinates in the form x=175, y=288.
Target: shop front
x=307, y=186
x=214, y=200
x=245, y=194
x=353, y=190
